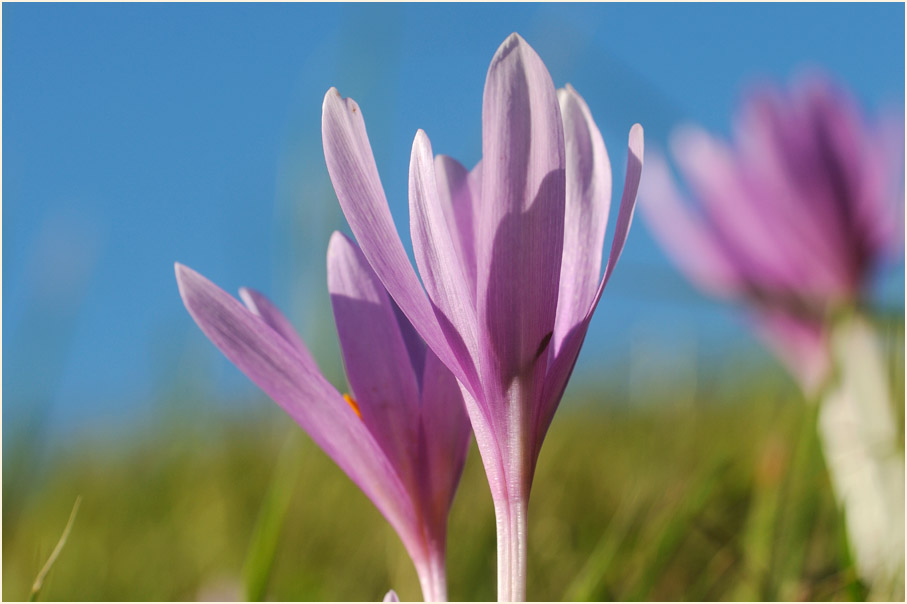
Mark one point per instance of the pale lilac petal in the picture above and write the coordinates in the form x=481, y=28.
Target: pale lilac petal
x=435, y=247
x=355, y=177
x=415, y=345
x=520, y=223
x=635, y=149
x=687, y=239
x=384, y=386
x=839, y=179
x=260, y=306
x=586, y=215
x=391, y=597
x=296, y=385
x=746, y=230
x=856, y=175
x=446, y=430
x=564, y=361
x=887, y=158
x=459, y=190
x=771, y=155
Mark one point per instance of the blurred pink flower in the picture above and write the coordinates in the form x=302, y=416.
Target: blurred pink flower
x=402, y=436
x=793, y=215
x=510, y=258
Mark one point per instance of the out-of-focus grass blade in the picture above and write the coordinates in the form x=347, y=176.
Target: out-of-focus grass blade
x=674, y=528
x=798, y=503
x=42, y=574
x=586, y=583
x=266, y=534
x=762, y=518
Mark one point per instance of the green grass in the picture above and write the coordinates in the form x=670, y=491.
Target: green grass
x=700, y=501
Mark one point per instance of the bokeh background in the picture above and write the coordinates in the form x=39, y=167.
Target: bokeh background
x=681, y=464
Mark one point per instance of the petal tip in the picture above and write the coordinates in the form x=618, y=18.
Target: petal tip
x=637, y=143
x=338, y=238
x=247, y=296
x=513, y=42
x=422, y=145
x=183, y=275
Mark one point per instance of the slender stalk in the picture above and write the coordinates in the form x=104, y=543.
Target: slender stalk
x=433, y=577
x=512, y=531
x=863, y=456
x=39, y=580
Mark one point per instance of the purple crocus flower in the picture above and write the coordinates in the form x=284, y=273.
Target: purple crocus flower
x=509, y=254
x=793, y=215
x=402, y=436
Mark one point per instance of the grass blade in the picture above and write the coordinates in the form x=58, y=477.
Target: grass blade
x=266, y=534
x=42, y=574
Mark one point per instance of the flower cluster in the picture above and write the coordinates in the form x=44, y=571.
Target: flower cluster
x=510, y=257
x=792, y=217
x=483, y=335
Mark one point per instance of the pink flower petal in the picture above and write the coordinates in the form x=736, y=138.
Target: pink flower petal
x=378, y=366
x=586, y=217
x=295, y=384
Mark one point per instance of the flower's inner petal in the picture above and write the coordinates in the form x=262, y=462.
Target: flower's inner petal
x=378, y=364
x=776, y=163
x=355, y=177
x=435, y=246
x=885, y=214
x=445, y=439
x=520, y=222
x=769, y=146
x=278, y=368
x=586, y=215
x=766, y=251
x=260, y=306
x=458, y=192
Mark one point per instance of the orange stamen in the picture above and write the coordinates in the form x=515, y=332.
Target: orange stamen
x=352, y=403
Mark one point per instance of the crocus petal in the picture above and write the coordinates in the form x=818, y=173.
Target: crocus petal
x=520, y=224
x=686, y=237
x=459, y=190
x=446, y=429
x=887, y=212
x=744, y=227
x=435, y=247
x=846, y=157
x=586, y=215
x=260, y=306
x=391, y=597
x=771, y=158
x=564, y=361
x=286, y=376
x=355, y=177
x=378, y=366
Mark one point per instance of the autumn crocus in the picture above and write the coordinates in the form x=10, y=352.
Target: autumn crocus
x=510, y=257
x=792, y=218
x=401, y=434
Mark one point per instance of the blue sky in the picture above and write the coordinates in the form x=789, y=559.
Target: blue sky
x=136, y=135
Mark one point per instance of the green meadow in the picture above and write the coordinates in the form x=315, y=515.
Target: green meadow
x=723, y=496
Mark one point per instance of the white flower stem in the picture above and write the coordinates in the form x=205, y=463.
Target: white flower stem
x=865, y=461
x=433, y=577
x=511, y=521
